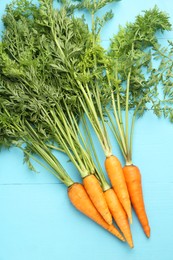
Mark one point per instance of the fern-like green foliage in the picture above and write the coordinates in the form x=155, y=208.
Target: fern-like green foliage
x=49, y=57
x=133, y=49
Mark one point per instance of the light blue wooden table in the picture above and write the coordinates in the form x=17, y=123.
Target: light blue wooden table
x=37, y=222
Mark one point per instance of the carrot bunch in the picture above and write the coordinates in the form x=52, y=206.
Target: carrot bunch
x=21, y=131
x=54, y=75
x=44, y=120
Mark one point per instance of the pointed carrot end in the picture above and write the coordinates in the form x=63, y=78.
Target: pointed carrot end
x=147, y=231
x=130, y=217
x=122, y=239
x=108, y=218
x=130, y=242
x=131, y=245
x=128, y=211
x=112, y=229
x=147, y=234
x=110, y=222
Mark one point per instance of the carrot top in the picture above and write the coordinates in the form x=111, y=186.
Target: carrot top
x=132, y=75
x=17, y=131
x=44, y=77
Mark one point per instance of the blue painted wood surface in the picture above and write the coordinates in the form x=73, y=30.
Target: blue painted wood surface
x=37, y=222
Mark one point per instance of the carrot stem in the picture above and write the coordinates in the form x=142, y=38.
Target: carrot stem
x=99, y=171
x=127, y=115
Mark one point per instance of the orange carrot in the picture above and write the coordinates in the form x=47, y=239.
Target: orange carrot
x=95, y=192
x=119, y=215
x=116, y=176
x=133, y=180
x=81, y=201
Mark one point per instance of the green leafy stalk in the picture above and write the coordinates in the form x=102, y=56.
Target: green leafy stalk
x=91, y=100
x=127, y=119
x=131, y=49
x=66, y=133
x=41, y=104
x=17, y=129
x=99, y=126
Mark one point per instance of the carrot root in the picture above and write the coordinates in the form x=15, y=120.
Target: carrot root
x=116, y=176
x=133, y=180
x=81, y=201
x=95, y=192
x=119, y=215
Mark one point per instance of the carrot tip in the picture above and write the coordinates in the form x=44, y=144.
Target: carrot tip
x=108, y=219
x=147, y=232
x=130, y=218
x=110, y=222
x=121, y=237
x=148, y=235
x=131, y=245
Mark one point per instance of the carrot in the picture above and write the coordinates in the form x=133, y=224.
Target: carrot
x=116, y=176
x=119, y=215
x=81, y=201
x=133, y=180
x=95, y=192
